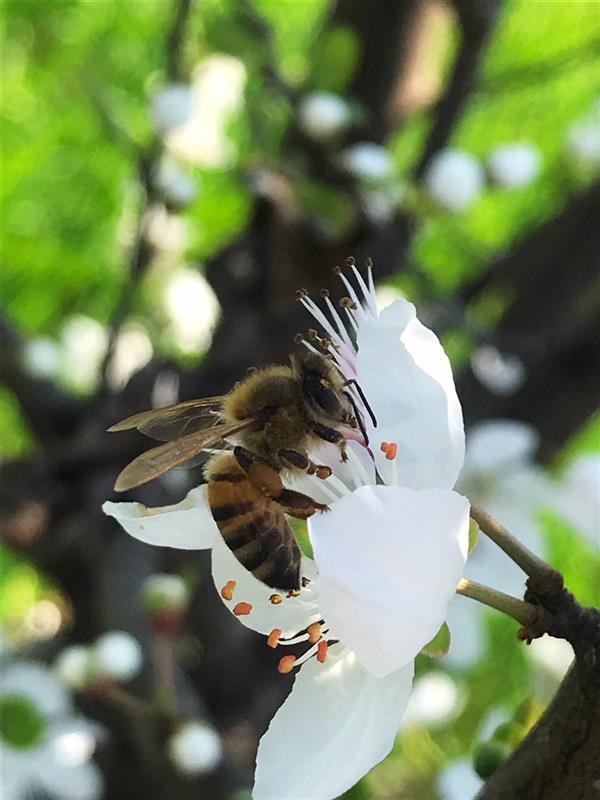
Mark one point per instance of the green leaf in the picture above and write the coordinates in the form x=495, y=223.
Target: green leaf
x=473, y=535
x=336, y=60
x=22, y=726
x=488, y=756
x=440, y=644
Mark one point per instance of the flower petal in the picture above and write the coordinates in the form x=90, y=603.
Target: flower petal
x=337, y=723
x=290, y=616
x=406, y=377
x=38, y=684
x=187, y=525
x=389, y=560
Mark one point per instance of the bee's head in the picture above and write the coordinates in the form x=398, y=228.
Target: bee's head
x=323, y=388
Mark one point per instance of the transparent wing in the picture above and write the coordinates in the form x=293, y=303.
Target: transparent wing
x=155, y=462
x=172, y=422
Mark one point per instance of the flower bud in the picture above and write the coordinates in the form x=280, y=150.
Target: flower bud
x=368, y=162
x=195, y=748
x=118, y=655
x=162, y=592
x=72, y=665
x=324, y=116
x=514, y=165
x=488, y=756
x=173, y=106
x=454, y=179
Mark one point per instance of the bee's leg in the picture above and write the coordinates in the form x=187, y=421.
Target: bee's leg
x=330, y=435
x=299, y=460
x=298, y=505
x=267, y=481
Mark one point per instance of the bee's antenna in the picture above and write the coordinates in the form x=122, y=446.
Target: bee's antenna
x=358, y=416
x=363, y=398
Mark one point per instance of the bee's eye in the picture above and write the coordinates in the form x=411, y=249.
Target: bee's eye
x=319, y=391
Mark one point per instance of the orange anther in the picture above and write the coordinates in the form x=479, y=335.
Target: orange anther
x=322, y=649
x=273, y=638
x=293, y=593
x=322, y=472
x=384, y=446
x=242, y=609
x=286, y=664
x=276, y=599
x=314, y=632
x=228, y=590
x=392, y=451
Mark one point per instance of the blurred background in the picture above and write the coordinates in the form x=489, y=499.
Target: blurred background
x=171, y=172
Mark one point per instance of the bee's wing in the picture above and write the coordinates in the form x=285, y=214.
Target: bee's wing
x=171, y=422
x=161, y=459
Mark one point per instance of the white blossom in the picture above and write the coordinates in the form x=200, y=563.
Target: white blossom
x=191, y=307
x=368, y=162
x=514, y=165
x=324, y=116
x=58, y=764
x=133, y=350
x=435, y=699
x=72, y=665
x=118, y=655
x=368, y=603
x=173, y=107
x=195, y=748
x=454, y=179
x=164, y=592
x=498, y=474
x=175, y=183
x=577, y=497
x=84, y=343
x=459, y=781
x=41, y=357
x=501, y=373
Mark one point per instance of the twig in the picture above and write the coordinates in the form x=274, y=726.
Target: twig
x=163, y=664
x=543, y=579
x=526, y=614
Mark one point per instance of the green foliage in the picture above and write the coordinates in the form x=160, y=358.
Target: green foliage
x=335, y=60
x=488, y=756
x=440, y=644
x=22, y=726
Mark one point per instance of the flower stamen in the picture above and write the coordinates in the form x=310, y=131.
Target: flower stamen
x=322, y=651
x=273, y=638
x=276, y=599
x=286, y=664
x=314, y=632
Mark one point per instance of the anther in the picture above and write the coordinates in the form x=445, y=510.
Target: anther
x=337, y=270
x=273, y=638
x=384, y=446
x=305, y=582
x=298, y=338
x=322, y=649
x=350, y=261
x=348, y=302
x=293, y=593
x=323, y=472
x=392, y=451
x=369, y=263
x=228, y=590
x=324, y=293
x=313, y=334
x=314, y=632
x=286, y=664
x=300, y=294
x=276, y=599
x=242, y=609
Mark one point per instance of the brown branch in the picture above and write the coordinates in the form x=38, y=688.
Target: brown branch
x=526, y=614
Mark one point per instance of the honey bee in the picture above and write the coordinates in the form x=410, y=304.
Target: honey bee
x=274, y=415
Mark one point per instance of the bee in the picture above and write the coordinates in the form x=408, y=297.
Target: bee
x=273, y=416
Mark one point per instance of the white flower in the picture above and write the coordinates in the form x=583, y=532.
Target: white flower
x=72, y=665
x=173, y=106
x=501, y=373
x=41, y=357
x=577, y=498
x=387, y=557
x=192, y=308
x=368, y=162
x=459, y=781
x=117, y=654
x=435, y=699
x=195, y=748
x=498, y=474
x=175, y=183
x=514, y=165
x=133, y=350
x=454, y=180
x=58, y=764
x=583, y=139
x=84, y=342
x=324, y=116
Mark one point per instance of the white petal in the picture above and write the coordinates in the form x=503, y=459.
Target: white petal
x=499, y=443
x=406, y=377
x=459, y=781
x=188, y=525
x=389, y=560
x=38, y=684
x=338, y=722
x=291, y=616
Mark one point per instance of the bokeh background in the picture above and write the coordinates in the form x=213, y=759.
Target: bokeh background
x=171, y=172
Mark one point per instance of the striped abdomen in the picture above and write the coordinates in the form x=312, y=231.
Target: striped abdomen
x=253, y=526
